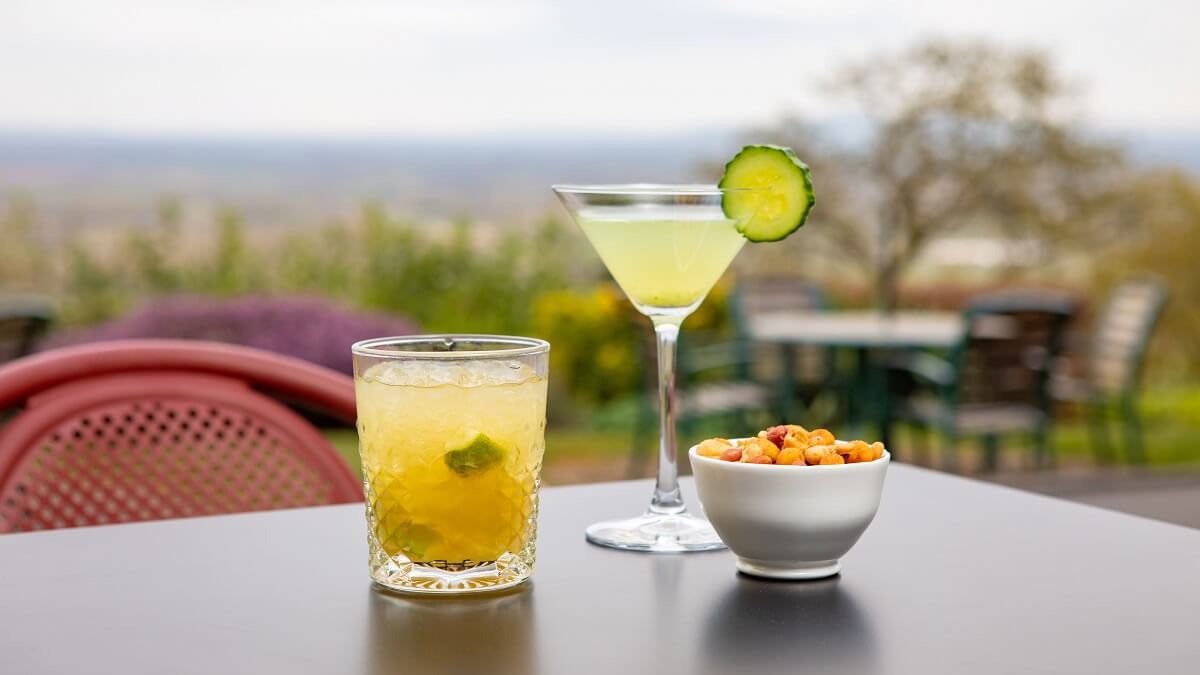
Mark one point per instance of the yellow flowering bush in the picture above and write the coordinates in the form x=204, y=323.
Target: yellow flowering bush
x=594, y=338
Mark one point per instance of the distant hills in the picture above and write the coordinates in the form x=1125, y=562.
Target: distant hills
x=99, y=181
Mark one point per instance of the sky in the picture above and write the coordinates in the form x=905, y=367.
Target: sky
x=335, y=68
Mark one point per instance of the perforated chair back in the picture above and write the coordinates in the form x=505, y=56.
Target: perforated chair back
x=151, y=429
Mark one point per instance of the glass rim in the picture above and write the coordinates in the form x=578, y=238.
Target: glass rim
x=666, y=189
x=516, y=346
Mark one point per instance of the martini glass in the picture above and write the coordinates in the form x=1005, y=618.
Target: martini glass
x=666, y=245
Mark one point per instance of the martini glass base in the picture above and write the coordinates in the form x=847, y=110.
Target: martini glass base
x=656, y=533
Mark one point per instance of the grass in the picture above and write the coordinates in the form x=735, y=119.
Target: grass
x=1165, y=443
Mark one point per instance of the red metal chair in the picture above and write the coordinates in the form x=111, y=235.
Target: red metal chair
x=139, y=430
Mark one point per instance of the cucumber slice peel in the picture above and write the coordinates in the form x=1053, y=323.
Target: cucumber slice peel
x=785, y=196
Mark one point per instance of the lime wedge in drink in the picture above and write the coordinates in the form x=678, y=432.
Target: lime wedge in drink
x=477, y=456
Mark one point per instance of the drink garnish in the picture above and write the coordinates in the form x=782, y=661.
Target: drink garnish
x=477, y=456
x=783, y=196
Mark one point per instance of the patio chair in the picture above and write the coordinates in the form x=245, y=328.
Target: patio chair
x=995, y=382
x=140, y=430
x=812, y=367
x=23, y=321
x=1116, y=352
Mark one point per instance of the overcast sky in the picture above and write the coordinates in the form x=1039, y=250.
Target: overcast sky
x=401, y=67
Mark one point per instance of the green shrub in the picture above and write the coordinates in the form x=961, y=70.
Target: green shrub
x=594, y=341
x=452, y=278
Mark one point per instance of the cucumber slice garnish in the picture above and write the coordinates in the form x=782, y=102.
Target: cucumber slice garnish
x=778, y=210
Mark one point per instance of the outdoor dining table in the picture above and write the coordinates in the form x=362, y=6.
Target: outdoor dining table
x=860, y=331
x=954, y=576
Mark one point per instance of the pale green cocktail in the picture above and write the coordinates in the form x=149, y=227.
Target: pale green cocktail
x=671, y=261
x=666, y=245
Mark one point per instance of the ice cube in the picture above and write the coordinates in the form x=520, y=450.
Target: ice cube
x=432, y=373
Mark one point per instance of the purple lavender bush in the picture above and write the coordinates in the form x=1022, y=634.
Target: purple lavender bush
x=306, y=328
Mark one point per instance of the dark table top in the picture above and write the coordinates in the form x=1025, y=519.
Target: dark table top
x=954, y=576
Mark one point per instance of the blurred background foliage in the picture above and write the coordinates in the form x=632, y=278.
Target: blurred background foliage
x=959, y=139
x=542, y=281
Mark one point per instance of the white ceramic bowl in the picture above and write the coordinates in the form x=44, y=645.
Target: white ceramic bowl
x=789, y=522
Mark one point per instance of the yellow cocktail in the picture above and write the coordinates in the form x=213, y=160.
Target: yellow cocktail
x=451, y=445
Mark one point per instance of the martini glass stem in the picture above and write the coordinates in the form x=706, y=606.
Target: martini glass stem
x=667, y=498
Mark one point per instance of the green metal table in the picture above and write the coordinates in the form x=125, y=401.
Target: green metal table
x=861, y=332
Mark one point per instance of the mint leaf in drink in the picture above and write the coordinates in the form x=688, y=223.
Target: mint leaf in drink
x=481, y=454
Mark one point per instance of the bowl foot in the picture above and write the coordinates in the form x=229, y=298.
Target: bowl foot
x=789, y=570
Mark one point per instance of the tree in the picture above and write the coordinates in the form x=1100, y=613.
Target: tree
x=959, y=137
